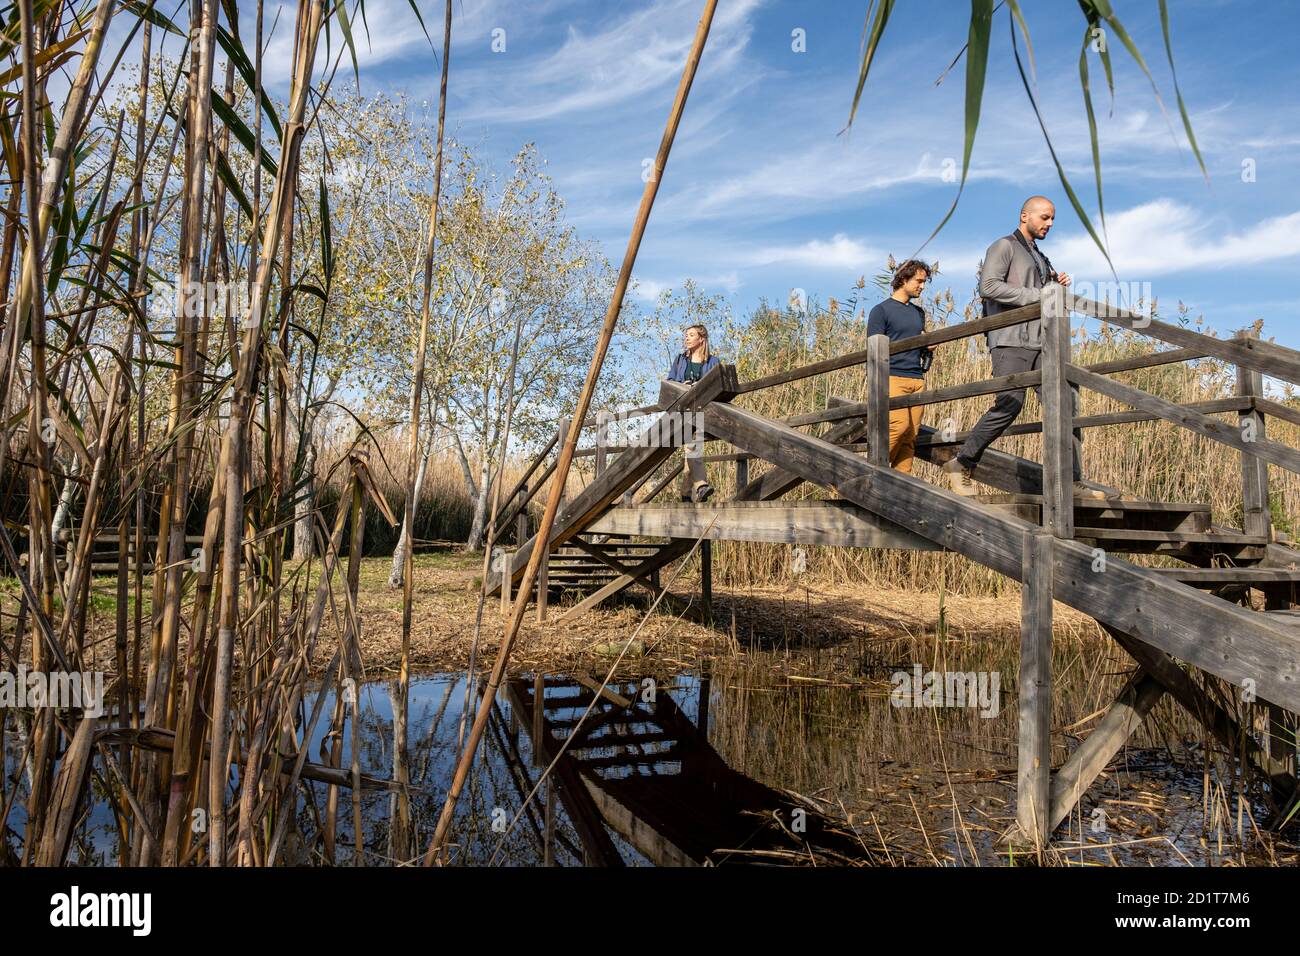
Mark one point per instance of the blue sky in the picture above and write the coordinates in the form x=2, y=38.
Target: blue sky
x=763, y=193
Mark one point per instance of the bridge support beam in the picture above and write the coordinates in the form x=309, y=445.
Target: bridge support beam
x=1033, y=783
x=1112, y=732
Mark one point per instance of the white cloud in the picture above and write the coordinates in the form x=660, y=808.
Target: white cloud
x=1164, y=236
x=839, y=252
x=647, y=290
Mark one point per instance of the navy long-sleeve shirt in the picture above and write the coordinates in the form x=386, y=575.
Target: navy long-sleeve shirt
x=899, y=320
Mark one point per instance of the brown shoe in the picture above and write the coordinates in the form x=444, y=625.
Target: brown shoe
x=1084, y=491
x=959, y=479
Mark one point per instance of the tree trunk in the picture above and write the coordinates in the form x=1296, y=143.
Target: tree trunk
x=399, y=552
x=65, y=500
x=477, y=529
x=465, y=469
x=302, y=509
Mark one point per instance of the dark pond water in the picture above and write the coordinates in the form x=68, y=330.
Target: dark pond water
x=709, y=756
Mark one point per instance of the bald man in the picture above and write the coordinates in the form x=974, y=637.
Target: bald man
x=1013, y=274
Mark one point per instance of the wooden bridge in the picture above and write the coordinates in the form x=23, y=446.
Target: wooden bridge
x=1198, y=612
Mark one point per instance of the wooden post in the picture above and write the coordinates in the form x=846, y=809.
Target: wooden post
x=543, y=582
x=548, y=842
x=878, y=400
x=628, y=495
x=1058, y=415
x=1280, y=737
x=706, y=580
x=507, y=562
x=564, y=432
x=742, y=473
x=601, y=451
x=705, y=692
x=1255, y=517
x=1033, y=788
x=539, y=724
x=521, y=528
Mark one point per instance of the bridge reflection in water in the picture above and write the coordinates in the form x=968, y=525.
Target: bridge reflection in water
x=631, y=759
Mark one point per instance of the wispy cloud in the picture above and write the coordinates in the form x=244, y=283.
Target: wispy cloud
x=596, y=69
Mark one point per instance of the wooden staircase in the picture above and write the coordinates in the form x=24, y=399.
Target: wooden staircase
x=590, y=563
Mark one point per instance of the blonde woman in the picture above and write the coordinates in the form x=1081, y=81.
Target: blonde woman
x=691, y=365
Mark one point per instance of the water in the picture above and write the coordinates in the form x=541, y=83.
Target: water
x=705, y=759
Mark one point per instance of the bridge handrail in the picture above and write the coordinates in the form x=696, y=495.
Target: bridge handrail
x=1267, y=357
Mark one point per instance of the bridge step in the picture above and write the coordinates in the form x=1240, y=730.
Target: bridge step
x=1181, y=516
x=1218, y=577
x=1142, y=541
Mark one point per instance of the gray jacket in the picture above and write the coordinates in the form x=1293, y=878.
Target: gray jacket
x=1009, y=278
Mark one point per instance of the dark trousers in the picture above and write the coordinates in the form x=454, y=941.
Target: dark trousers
x=1008, y=360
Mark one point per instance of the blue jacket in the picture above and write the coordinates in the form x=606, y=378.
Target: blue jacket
x=678, y=371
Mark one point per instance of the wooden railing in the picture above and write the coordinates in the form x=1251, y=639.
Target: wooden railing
x=515, y=502
x=1252, y=357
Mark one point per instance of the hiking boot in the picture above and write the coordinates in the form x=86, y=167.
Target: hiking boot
x=959, y=479
x=703, y=491
x=1084, y=491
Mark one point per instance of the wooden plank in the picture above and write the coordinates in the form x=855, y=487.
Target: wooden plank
x=1254, y=470
x=963, y=330
x=1277, y=410
x=833, y=523
x=1034, y=764
x=1005, y=383
x=1270, y=451
x=1212, y=634
x=706, y=582
x=1171, y=537
x=776, y=482
x=506, y=558
x=1256, y=354
x=1110, y=418
x=1210, y=577
x=1280, y=737
x=543, y=583
x=528, y=473
x=1190, y=695
x=1090, y=758
x=1058, y=416
x=1118, y=505
x=878, y=399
